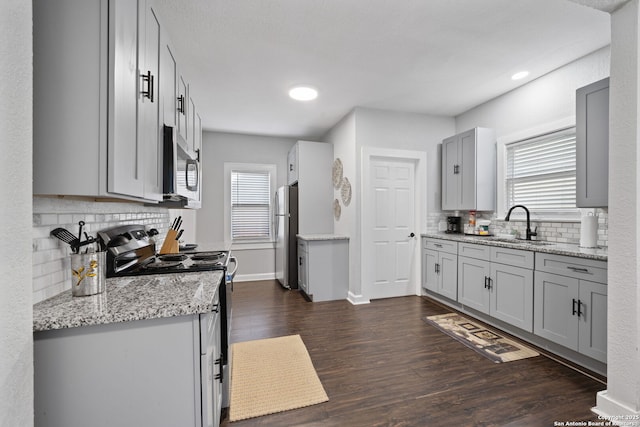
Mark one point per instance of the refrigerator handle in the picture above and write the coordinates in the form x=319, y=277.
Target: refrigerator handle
x=276, y=223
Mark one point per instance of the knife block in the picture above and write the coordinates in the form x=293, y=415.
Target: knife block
x=170, y=244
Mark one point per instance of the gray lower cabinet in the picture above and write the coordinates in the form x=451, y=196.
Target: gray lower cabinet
x=440, y=267
x=158, y=372
x=497, y=281
x=571, y=308
x=323, y=268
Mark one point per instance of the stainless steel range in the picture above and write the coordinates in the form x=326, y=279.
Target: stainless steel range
x=131, y=251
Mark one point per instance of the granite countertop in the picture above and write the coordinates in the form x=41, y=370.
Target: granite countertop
x=600, y=253
x=131, y=298
x=310, y=237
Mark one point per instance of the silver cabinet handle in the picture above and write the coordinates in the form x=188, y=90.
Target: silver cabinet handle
x=578, y=269
x=437, y=245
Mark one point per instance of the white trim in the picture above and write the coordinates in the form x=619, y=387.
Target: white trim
x=501, y=161
x=248, y=167
x=607, y=408
x=357, y=299
x=420, y=212
x=251, y=246
x=254, y=277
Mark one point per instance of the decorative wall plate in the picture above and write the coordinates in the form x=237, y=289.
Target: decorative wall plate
x=345, y=191
x=337, y=210
x=337, y=173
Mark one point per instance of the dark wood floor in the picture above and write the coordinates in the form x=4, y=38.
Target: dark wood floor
x=381, y=365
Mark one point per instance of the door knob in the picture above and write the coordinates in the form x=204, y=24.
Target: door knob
x=412, y=235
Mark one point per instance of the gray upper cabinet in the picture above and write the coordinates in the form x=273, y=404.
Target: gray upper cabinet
x=105, y=83
x=469, y=171
x=592, y=145
x=96, y=111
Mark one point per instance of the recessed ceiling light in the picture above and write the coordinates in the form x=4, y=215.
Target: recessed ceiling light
x=303, y=93
x=520, y=75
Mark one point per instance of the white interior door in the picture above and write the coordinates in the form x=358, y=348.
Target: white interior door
x=392, y=227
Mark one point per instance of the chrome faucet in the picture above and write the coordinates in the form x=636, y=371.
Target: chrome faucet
x=529, y=232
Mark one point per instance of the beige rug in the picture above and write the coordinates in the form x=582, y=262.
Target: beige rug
x=487, y=342
x=272, y=375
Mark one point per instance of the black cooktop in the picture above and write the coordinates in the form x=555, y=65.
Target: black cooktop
x=177, y=263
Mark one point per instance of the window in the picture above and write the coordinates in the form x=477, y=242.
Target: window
x=541, y=173
x=248, y=191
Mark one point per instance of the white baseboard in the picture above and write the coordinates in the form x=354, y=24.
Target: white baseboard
x=357, y=299
x=254, y=277
x=618, y=413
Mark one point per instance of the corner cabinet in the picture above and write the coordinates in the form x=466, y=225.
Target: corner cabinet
x=440, y=267
x=592, y=145
x=469, y=171
x=571, y=303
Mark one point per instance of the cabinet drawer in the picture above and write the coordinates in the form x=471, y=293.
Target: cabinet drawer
x=441, y=245
x=514, y=257
x=475, y=251
x=580, y=268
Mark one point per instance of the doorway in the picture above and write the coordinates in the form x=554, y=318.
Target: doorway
x=394, y=186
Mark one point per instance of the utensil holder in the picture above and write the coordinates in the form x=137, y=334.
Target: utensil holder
x=88, y=273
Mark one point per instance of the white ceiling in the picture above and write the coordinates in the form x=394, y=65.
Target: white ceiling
x=439, y=57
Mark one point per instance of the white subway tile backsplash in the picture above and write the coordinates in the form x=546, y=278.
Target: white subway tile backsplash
x=553, y=231
x=51, y=274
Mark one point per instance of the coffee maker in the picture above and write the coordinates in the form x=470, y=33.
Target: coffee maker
x=454, y=224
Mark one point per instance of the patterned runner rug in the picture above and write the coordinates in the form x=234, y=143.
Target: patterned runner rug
x=487, y=342
x=272, y=375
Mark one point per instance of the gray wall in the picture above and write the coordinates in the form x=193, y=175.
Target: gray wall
x=16, y=117
x=218, y=148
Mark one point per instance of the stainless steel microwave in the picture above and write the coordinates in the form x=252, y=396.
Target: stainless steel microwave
x=181, y=169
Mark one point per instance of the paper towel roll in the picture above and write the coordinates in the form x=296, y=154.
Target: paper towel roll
x=589, y=231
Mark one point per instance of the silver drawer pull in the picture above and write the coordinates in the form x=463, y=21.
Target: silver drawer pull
x=437, y=245
x=578, y=269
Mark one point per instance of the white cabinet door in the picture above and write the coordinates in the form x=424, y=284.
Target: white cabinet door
x=182, y=102
x=592, y=145
x=512, y=295
x=303, y=274
x=126, y=167
x=555, y=305
x=292, y=165
x=467, y=171
x=473, y=277
x=593, y=320
x=168, y=84
x=448, y=272
x=450, y=175
x=191, y=124
x=430, y=270
x=149, y=124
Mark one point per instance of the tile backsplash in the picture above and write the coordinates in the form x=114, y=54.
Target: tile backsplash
x=51, y=268
x=552, y=231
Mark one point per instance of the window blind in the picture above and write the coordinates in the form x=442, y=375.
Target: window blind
x=250, y=205
x=541, y=173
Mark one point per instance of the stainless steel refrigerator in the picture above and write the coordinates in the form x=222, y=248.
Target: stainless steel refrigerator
x=286, y=229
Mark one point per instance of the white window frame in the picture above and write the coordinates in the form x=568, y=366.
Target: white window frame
x=266, y=243
x=502, y=142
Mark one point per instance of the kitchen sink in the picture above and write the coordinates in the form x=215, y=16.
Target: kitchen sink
x=522, y=241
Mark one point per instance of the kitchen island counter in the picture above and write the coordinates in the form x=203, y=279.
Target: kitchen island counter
x=131, y=298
